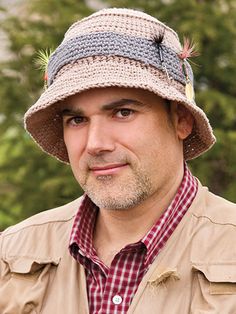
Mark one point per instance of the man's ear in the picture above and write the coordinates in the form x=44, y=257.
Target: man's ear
x=183, y=120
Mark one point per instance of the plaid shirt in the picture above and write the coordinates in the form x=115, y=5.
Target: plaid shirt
x=111, y=289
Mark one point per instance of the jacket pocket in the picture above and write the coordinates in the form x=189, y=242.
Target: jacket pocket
x=221, y=277
x=214, y=288
x=23, y=283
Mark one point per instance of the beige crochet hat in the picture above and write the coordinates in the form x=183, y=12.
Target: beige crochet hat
x=116, y=47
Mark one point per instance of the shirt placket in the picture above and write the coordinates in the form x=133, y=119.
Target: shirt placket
x=122, y=274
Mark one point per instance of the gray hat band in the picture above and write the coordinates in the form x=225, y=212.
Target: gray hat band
x=113, y=44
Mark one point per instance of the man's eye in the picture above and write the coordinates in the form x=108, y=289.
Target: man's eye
x=122, y=113
x=76, y=120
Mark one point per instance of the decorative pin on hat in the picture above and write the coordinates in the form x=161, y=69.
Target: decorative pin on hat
x=188, y=51
x=42, y=63
x=158, y=40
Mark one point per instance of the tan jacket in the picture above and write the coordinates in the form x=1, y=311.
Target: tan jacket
x=194, y=273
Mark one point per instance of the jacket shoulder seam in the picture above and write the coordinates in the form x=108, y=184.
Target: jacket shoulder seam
x=11, y=232
x=57, y=215
x=214, y=222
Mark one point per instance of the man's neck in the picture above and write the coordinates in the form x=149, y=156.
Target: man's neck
x=115, y=229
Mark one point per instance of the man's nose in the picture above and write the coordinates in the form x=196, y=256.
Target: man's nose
x=99, y=138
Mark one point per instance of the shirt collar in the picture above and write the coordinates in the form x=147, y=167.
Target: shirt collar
x=158, y=235
x=81, y=239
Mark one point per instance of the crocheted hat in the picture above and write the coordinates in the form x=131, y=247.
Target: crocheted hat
x=116, y=47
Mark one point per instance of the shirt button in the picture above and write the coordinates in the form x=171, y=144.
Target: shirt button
x=117, y=299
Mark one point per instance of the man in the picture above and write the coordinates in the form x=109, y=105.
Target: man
x=146, y=237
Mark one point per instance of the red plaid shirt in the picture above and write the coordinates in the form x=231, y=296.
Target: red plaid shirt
x=111, y=289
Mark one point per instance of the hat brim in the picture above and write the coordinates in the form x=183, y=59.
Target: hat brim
x=44, y=123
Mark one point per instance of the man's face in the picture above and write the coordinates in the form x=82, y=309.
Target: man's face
x=122, y=144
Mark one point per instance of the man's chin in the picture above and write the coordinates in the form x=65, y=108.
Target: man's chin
x=101, y=181
x=113, y=198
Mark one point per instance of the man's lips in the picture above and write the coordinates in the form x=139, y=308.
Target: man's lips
x=107, y=169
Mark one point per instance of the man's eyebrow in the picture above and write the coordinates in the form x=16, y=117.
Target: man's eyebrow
x=122, y=102
x=72, y=112
x=112, y=105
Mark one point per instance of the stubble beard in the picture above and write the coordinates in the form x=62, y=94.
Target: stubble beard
x=118, y=192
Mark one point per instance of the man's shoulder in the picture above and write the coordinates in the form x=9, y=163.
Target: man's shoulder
x=213, y=230
x=217, y=210
x=56, y=215
x=36, y=238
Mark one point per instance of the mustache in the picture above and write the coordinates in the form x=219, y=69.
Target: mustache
x=102, y=160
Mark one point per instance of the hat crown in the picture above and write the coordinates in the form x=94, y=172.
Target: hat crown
x=121, y=33
x=124, y=21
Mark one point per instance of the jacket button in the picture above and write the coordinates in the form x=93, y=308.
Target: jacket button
x=117, y=299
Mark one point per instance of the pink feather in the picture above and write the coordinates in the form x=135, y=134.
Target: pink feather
x=188, y=50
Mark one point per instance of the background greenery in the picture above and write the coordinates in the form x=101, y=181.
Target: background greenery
x=31, y=181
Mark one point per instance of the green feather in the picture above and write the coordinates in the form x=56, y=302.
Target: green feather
x=42, y=59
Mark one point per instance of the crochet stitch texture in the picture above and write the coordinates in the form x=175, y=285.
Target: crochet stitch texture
x=114, y=47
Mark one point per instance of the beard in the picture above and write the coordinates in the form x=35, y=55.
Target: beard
x=116, y=192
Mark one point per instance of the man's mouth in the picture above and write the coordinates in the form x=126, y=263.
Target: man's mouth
x=108, y=169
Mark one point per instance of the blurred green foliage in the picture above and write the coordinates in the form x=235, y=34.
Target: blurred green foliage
x=31, y=181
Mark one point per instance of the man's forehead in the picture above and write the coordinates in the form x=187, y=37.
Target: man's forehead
x=69, y=107
x=110, y=98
